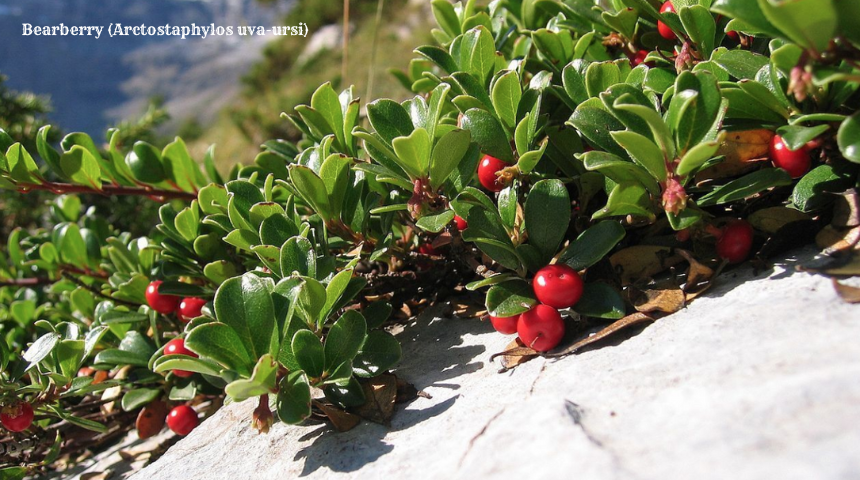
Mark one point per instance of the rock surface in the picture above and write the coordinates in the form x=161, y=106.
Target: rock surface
x=752, y=381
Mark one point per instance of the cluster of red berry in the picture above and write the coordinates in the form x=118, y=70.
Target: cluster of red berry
x=186, y=308
x=542, y=328
x=555, y=286
x=181, y=419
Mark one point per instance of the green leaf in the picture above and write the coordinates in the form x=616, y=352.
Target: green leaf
x=435, y=223
x=277, y=229
x=750, y=13
x=134, y=349
x=592, y=245
x=70, y=243
x=600, y=300
x=596, y=124
x=145, y=163
x=335, y=175
x=796, y=136
x=619, y=171
x=47, y=152
x=22, y=167
x=600, y=76
x=187, y=221
x=488, y=133
x=325, y=101
x=547, y=215
x=166, y=363
x=849, y=138
x=414, y=153
x=138, y=397
x=312, y=190
x=445, y=16
x=447, y=154
x=298, y=256
x=245, y=304
x=699, y=25
x=696, y=157
x=510, y=298
x=809, y=23
x=220, y=342
x=815, y=189
x=644, y=152
x=294, y=398
x=40, y=349
x=746, y=186
x=529, y=160
x=344, y=339
x=389, y=119
x=506, y=95
x=626, y=199
x=262, y=382
x=659, y=130
x=308, y=350
x=741, y=64
x=477, y=53
x=119, y=316
x=380, y=352
x=180, y=167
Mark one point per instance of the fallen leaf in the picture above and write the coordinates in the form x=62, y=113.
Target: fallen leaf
x=406, y=392
x=771, y=220
x=847, y=293
x=846, y=210
x=341, y=420
x=613, y=328
x=515, y=353
x=643, y=262
x=743, y=151
x=669, y=300
x=834, y=265
x=151, y=418
x=833, y=240
x=381, y=393
x=699, y=275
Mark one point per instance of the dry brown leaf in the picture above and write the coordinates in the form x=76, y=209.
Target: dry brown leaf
x=151, y=418
x=847, y=293
x=770, y=220
x=469, y=310
x=832, y=240
x=743, y=150
x=406, y=392
x=643, y=262
x=846, y=210
x=381, y=393
x=669, y=300
x=515, y=353
x=615, y=327
x=341, y=420
x=699, y=275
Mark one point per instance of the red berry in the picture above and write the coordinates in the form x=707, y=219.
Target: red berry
x=796, y=163
x=639, y=59
x=541, y=328
x=735, y=242
x=18, y=420
x=664, y=29
x=190, y=307
x=461, y=223
x=161, y=303
x=427, y=249
x=177, y=347
x=558, y=286
x=487, y=170
x=182, y=420
x=505, y=325
x=733, y=35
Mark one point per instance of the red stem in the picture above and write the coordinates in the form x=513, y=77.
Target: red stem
x=62, y=188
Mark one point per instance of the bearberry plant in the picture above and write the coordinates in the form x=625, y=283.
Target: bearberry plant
x=563, y=157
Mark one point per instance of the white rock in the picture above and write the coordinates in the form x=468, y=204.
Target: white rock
x=753, y=381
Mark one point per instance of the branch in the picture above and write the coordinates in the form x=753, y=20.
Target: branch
x=108, y=190
x=26, y=282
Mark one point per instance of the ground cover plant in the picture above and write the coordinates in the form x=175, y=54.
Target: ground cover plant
x=585, y=165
